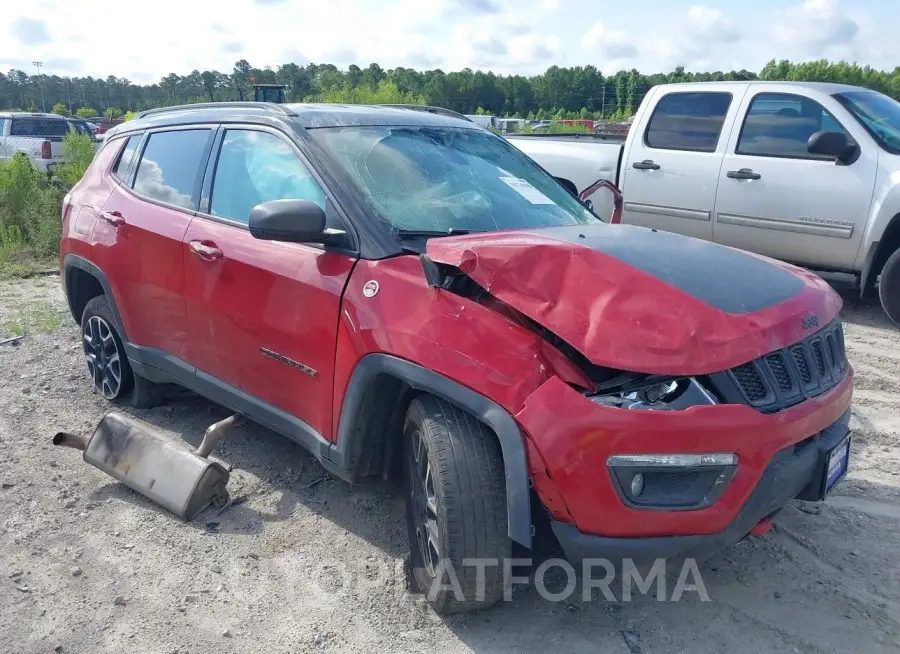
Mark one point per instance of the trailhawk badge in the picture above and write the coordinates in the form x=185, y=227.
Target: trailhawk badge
x=371, y=288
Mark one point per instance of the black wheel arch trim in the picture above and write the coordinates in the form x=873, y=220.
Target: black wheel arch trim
x=71, y=261
x=518, y=499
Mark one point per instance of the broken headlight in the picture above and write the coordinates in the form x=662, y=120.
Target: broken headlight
x=669, y=395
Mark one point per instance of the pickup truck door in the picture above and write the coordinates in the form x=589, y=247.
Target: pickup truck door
x=777, y=199
x=671, y=166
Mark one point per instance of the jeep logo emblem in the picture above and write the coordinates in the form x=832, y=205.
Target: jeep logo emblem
x=809, y=321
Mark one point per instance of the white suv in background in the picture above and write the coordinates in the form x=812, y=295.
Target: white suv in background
x=36, y=135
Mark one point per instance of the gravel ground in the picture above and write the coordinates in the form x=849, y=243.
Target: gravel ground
x=309, y=564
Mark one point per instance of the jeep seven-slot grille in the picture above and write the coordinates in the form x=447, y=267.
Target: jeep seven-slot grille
x=785, y=377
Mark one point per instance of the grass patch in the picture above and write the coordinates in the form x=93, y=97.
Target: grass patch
x=19, y=264
x=40, y=319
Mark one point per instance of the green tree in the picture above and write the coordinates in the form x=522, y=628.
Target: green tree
x=112, y=112
x=85, y=112
x=60, y=108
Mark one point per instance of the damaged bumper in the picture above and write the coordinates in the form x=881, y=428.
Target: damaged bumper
x=779, y=457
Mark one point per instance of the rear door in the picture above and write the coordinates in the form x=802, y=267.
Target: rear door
x=671, y=169
x=141, y=228
x=263, y=315
x=777, y=199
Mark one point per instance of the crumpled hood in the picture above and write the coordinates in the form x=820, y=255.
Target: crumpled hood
x=643, y=300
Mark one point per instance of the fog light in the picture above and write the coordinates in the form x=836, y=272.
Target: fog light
x=637, y=485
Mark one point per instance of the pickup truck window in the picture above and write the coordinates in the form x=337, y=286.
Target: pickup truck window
x=38, y=127
x=687, y=121
x=877, y=113
x=448, y=178
x=780, y=124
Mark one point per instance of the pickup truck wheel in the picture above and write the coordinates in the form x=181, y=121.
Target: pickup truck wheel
x=107, y=362
x=889, y=287
x=456, y=506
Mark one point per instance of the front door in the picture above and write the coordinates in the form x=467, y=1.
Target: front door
x=777, y=199
x=263, y=315
x=140, y=234
x=671, y=171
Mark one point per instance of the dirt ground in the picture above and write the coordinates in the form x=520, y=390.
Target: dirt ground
x=309, y=564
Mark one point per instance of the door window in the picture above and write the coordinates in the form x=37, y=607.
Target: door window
x=256, y=167
x=780, y=124
x=169, y=169
x=688, y=121
x=121, y=168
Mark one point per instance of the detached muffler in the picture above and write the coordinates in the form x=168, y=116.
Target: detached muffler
x=181, y=480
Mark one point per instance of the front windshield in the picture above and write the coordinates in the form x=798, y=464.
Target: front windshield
x=878, y=113
x=447, y=179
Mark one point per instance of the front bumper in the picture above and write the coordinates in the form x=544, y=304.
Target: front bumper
x=571, y=438
x=795, y=472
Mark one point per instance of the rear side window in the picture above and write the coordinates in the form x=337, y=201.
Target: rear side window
x=38, y=127
x=780, y=124
x=125, y=158
x=256, y=167
x=169, y=168
x=3, y=122
x=688, y=121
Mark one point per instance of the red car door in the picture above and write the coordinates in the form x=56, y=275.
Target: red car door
x=140, y=235
x=262, y=315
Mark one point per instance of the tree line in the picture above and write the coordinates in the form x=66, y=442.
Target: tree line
x=559, y=92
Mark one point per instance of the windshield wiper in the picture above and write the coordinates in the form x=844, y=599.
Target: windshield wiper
x=431, y=233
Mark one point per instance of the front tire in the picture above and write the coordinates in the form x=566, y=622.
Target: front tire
x=456, y=506
x=889, y=287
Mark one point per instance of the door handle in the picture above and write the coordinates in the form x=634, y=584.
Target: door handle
x=207, y=250
x=743, y=173
x=646, y=164
x=114, y=218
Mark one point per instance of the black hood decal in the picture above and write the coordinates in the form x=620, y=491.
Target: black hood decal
x=724, y=278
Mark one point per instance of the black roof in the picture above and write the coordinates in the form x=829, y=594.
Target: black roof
x=305, y=115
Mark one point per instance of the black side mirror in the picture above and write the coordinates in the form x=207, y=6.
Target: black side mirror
x=831, y=144
x=291, y=221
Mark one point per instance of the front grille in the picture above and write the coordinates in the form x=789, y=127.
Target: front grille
x=785, y=377
x=751, y=382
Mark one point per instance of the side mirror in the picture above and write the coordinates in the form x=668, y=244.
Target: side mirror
x=290, y=221
x=831, y=144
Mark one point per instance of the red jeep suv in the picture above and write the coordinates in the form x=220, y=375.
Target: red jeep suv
x=402, y=291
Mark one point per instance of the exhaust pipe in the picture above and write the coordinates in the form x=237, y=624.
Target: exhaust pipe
x=75, y=441
x=145, y=460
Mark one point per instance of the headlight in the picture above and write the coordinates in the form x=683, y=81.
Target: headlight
x=666, y=396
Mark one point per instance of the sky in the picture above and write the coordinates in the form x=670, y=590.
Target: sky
x=81, y=37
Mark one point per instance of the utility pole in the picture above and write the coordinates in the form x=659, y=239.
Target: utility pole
x=69, y=89
x=38, y=64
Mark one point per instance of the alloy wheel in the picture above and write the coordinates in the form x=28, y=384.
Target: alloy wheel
x=424, y=504
x=103, y=357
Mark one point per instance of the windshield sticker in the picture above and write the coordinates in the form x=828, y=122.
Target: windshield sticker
x=526, y=190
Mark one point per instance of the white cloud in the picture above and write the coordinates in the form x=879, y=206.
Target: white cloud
x=815, y=26
x=613, y=47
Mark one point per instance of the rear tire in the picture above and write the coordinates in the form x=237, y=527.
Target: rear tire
x=107, y=361
x=889, y=287
x=456, y=506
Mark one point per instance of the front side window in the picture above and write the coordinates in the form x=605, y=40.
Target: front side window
x=256, y=167
x=780, y=124
x=877, y=113
x=170, y=166
x=688, y=121
x=444, y=179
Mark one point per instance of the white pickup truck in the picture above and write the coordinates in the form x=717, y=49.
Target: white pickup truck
x=804, y=172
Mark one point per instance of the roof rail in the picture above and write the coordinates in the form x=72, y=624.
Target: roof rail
x=428, y=109
x=268, y=106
